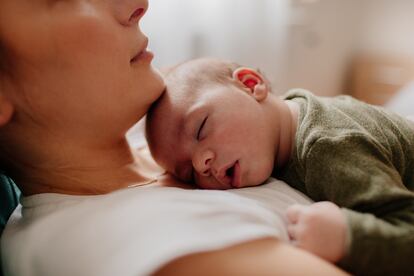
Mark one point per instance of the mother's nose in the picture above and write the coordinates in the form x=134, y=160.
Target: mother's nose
x=202, y=162
x=129, y=12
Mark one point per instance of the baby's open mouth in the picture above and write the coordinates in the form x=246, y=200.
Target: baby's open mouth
x=229, y=176
x=230, y=172
x=233, y=174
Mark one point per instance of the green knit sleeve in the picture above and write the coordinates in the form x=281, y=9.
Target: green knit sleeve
x=361, y=177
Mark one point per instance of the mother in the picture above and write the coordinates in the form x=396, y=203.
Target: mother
x=75, y=75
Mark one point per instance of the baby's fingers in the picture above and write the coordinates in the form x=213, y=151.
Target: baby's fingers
x=293, y=232
x=294, y=212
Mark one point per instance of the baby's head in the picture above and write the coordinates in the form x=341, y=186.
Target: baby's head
x=211, y=125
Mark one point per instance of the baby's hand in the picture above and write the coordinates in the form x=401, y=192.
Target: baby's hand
x=319, y=228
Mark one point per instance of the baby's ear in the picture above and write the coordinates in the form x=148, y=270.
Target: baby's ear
x=253, y=81
x=6, y=110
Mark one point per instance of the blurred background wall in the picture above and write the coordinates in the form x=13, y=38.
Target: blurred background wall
x=360, y=47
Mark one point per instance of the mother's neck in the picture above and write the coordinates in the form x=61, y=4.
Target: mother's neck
x=82, y=170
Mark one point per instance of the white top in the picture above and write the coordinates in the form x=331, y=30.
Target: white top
x=136, y=231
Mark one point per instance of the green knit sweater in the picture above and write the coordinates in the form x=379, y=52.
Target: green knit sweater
x=360, y=157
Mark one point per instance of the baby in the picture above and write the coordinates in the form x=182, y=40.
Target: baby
x=218, y=125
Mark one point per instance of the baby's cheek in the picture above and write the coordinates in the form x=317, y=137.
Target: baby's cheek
x=262, y=171
x=208, y=183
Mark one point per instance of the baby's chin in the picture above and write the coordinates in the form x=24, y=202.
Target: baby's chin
x=260, y=178
x=254, y=183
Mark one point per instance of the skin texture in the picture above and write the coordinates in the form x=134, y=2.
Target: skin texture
x=200, y=134
x=319, y=228
x=215, y=132
x=74, y=81
x=76, y=89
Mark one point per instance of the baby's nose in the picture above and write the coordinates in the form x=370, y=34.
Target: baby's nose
x=202, y=162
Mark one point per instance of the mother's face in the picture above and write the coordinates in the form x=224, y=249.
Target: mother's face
x=81, y=62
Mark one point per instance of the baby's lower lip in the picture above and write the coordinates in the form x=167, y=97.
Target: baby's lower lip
x=236, y=180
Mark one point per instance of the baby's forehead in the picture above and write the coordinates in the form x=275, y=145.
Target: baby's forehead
x=164, y=125
x=166, y=117
x=167, y=123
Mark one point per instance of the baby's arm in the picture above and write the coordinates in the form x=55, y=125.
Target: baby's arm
x=379, y=209
x=319, y=228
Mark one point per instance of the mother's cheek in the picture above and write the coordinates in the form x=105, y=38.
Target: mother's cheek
x=90, y=37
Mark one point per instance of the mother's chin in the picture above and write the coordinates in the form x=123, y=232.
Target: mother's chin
x=143, y=95
x=155, y=86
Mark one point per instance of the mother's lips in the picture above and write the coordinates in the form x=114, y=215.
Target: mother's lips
x=136, y=57
x=143, y=54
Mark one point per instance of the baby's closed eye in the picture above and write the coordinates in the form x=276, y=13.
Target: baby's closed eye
x=200, y=132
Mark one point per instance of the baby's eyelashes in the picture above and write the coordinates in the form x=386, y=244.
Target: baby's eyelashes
x=200, y=129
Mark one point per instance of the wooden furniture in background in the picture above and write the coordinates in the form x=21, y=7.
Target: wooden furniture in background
x=376, y=79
